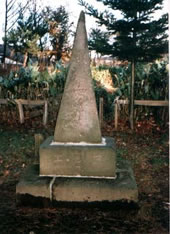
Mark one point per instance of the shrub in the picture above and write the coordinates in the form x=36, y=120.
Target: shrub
x=30, y=83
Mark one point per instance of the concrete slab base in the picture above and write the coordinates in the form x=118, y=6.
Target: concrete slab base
x=34, y=189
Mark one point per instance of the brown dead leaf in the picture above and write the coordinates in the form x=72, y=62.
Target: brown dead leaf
x=6, y=172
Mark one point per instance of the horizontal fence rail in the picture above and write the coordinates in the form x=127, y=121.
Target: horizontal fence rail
x=136, y=102
x=30, y=103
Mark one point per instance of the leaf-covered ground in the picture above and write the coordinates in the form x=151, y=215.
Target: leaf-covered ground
x=148, y=154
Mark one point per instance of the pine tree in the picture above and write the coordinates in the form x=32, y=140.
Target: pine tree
x=12, y=12
x=135, y=37
x=26, y=37
x=35, y=31
x=59, y=28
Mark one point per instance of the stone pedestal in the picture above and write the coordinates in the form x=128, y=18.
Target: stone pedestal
x=89, y=160
x=34, y=188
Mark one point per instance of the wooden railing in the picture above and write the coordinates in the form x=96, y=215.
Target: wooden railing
x=136, y=102
x=31, y=103
x=44, y=103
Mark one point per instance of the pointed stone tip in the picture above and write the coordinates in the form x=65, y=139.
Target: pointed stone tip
x=82, y=16
x=81, y=124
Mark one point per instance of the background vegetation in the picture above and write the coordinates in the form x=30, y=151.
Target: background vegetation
x=40, y=40
x=110, y=82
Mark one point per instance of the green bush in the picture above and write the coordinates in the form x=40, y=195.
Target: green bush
x=151, y=82
x=30, y=83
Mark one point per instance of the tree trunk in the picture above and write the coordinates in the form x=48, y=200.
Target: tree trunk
x=25, y=59
x=5, y=36
x=131, y=118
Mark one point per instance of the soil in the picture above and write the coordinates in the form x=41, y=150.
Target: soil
x=146, y=149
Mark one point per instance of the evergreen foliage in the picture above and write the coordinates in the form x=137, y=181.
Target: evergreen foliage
x=136, y=35
x=59, y=28
x=38, y=31
x=25, y=37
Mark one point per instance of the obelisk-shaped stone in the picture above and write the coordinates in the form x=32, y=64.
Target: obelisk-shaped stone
x=77, y=172
x=78, y=118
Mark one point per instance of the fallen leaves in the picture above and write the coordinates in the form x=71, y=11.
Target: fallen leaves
x=144, y=151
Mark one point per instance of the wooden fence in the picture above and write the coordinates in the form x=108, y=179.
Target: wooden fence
x=44, y=103
x=136, y=102
x=30, y=103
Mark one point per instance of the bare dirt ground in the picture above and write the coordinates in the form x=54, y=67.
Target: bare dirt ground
x=147, y=150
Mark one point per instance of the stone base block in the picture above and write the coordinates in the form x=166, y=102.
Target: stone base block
x=82, y=190
x=94, y=160
x=31, y=183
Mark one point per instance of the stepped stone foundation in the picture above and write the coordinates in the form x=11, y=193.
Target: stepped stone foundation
x=77, y=189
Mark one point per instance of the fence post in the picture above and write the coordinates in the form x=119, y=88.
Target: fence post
x=101, y=111
x=21, y=112
x=45, y=115
x=116, y=115
x=38, y=140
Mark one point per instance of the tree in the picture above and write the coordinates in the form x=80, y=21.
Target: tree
x=12, y=11
x=30, y=35
x=26, y=38
x=135, y=37
x=59, y=29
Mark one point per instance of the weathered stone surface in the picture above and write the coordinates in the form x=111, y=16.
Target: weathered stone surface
x=83, y=190
x=78, y=119
x=31, y=183
x=97, y=160
x=98, y=190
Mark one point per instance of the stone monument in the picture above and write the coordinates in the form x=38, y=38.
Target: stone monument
x=77, y=164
